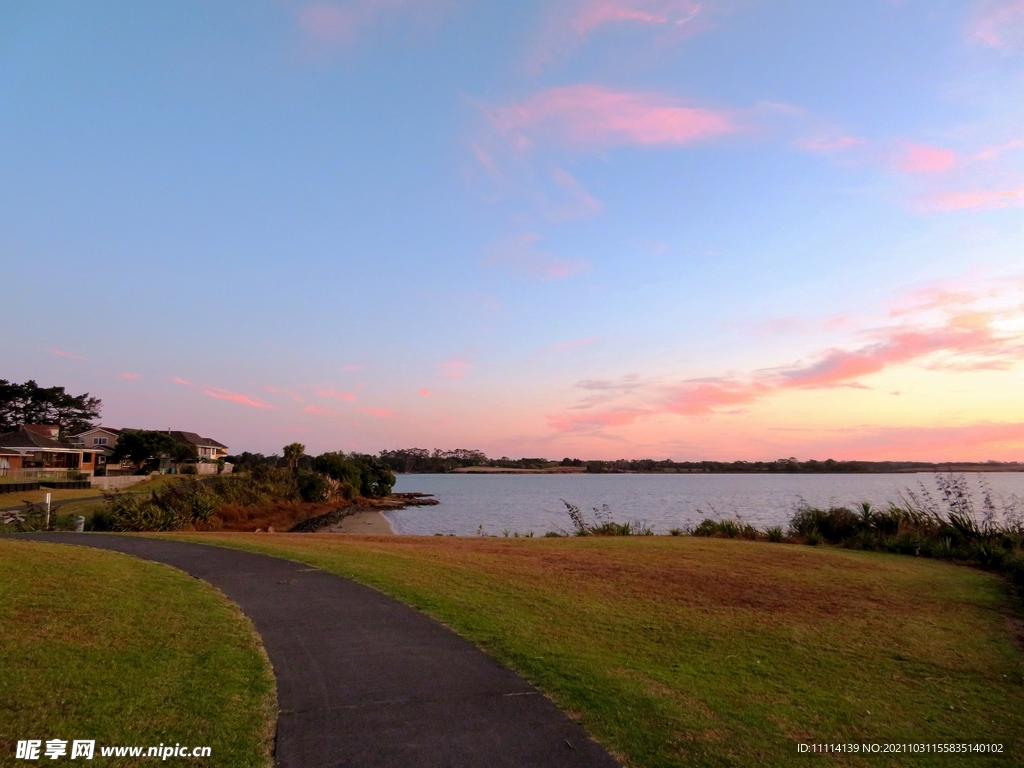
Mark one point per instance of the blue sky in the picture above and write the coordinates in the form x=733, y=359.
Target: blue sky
x=728, y=229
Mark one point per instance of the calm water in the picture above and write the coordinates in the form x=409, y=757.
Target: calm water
x=532, y=502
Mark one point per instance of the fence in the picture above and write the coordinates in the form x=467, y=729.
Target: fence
x=32, y=474
x=120, y=481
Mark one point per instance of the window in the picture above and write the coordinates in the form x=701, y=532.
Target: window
x=87, y=458
x=99, y=441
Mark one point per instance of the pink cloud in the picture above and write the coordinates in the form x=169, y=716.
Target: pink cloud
x=996, y=150
x=384, y=413
x=830, y=144
x=580, y=204
x=589, y=422
x=974, y=200
x=569, y=23
x=320, y=411
x=455, y=368
x=596, y=13
x=592, y=116
x=129, y=376
x=62, y=353
x=519, y=255
x=966, y=341
x=275, y=390
x=181, y=381
x=921, y=158
x=235, y=397
x=702, y=396
x=425, y=393
x=484, y=158
x=999, y=23
x=336, y=394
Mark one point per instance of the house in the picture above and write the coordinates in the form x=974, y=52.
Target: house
x=39, y=449
x=206, y=448
x=10, y=462
x=102, y=440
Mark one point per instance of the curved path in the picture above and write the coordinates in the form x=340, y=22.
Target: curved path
x=363, y=680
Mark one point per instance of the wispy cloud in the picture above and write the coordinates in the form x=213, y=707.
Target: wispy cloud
x=972, y=200
x=62, y=353
x=278, y=391
x=995, y=151
x=591, y=116
x=923, y=158
x=183, y=382
x=129, y=376
x=383, y=413
x=938, y=330
x=830, y=143
x=314, y=409
x=569, y=24
x=235, y=397
x=518, y=254
x=455, y=368
x=999, y=23
x=425, y=393
x=336, y=394
x=578, y=202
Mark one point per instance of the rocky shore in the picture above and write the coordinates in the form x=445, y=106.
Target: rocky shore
x=366, y=516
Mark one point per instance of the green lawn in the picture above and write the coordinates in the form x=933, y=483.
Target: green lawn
x=685, y=651
x=99, y=645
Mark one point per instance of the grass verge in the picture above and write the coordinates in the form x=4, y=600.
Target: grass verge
x=680, y=651
x=99, y=645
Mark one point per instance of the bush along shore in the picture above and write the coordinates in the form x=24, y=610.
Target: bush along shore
x=948, y=523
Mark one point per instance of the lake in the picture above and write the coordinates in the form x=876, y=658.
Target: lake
x=526, y=503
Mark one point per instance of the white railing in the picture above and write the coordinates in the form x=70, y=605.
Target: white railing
x=37, y=473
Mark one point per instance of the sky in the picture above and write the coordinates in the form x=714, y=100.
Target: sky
x=727, y=229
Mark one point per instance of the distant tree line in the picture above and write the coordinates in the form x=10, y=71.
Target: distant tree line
x=421, y=460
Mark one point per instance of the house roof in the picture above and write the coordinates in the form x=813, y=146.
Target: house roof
x=23, y=437
x=8, y=452
x=194, y=439
x=110, y=430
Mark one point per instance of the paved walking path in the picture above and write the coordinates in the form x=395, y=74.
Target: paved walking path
x=363, y=680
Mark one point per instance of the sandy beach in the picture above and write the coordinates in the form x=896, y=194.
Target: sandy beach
x=370, y=522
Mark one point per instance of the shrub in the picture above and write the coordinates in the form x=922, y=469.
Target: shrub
x=312, y=486
x=605, y=525
x=774, y=533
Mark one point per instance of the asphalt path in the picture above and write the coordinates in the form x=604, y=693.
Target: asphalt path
x=364, y=680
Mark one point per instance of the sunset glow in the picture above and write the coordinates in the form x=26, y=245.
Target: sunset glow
x=591, y=228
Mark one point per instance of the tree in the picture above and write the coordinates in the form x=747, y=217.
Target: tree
x=29, y=403
x=182, y=453
x=293, y=453
x=141, y=445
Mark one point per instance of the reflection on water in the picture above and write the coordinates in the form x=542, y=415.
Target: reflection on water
x=532, y=502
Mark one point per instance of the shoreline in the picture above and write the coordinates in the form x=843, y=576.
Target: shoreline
x=368, y=522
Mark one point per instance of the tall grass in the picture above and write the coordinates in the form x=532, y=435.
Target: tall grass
x=604, y=524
